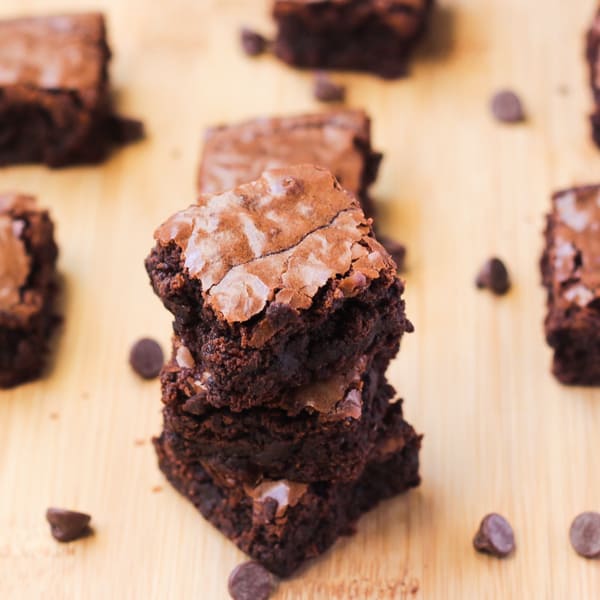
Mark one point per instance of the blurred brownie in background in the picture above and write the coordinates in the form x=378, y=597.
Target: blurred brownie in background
x=339, y=141
x=27, y=287
x=571, y=274
x=358, y=35
x=593, y=56
x=55, y=104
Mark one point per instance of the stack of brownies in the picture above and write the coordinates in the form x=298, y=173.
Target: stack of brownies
x=278, y=420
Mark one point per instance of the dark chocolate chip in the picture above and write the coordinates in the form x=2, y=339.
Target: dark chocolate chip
x=507, y=108
x=495, y=536
x=146, y=358
x=126, y=130
x=253, y=43
x=251, y=581
x=396, y=250
x=585, y=534
x=68, y=525
x=494, y=276
x=326, y=90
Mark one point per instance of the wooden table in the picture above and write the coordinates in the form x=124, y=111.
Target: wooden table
x=501, y=434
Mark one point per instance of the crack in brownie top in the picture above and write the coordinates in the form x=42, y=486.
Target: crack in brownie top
x=15, y=263
x=54, y=53
x=238, y=154
x=575, y=253
x=278, y=239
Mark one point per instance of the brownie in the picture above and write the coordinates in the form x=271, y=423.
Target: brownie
x=281, y=523
x=320, y=431
x=55, y=105
x=279, y=281
x=377, y=36
x=27, y=288
x=571, y=275
x=339, y=141
x=593, y=56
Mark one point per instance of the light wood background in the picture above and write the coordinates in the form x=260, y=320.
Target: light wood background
x=501, y=434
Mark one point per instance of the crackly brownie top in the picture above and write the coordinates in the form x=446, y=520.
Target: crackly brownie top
x=63, y=52
x=575, y=246
x=240, y=153
x=15, y=263
x=279, y=239
x=397, y=14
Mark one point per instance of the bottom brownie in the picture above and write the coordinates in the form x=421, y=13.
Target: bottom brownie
x=282, y=523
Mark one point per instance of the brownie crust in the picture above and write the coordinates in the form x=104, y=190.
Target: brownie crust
x=337, y=140
x=262, y=312
x=571, y=274
x=377, y=36
x=55, y=106
x=282, y=523
x=27, y=288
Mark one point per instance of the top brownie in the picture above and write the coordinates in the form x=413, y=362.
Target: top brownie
x=280, y=279
x=339, y=141
x=571, y=273
x=54, y=99
x=27, y=287
x=368, y=35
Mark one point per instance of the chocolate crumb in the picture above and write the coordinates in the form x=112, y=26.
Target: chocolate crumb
x=507, y=107
x=146, y=358
x=139, y=441
x=68, y=525
x=54, y=416
x=253, y=43
x=495, y=536
x=156, y=489
x=326, y=90
x=585, y=534
x=494, y=276
x=251, y=581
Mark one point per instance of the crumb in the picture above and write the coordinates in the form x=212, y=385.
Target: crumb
x=156, y=489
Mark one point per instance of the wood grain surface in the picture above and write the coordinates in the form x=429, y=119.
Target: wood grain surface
x=500, y=433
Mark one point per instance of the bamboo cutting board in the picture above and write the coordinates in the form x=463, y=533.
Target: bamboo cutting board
x=501, y=434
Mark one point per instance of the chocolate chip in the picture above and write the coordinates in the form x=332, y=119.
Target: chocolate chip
x=251, y=581
x=507, y=108
x=253, y=43
x=126, y=130
x=396, y=250
x=585, y=534
x=68, y=525
x=494, y=276
x=495, y=536
x=326, y=90
x=146, y=358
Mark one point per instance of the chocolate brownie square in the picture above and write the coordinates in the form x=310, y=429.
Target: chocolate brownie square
x=279, y=281
x=55, y=105
x=27, y=288
x=571, y=274
x=321, y=431
x=281, y=523
x=339, y=141
x=359, y=35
